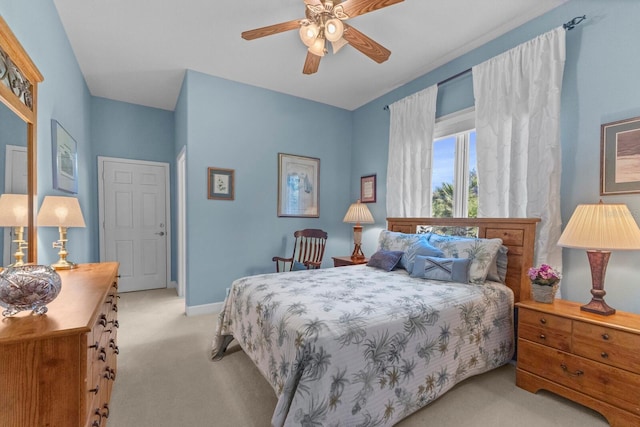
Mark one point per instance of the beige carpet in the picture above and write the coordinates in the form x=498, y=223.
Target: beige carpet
x=165, y=378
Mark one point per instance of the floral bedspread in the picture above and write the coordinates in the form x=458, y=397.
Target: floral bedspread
x=359, y=346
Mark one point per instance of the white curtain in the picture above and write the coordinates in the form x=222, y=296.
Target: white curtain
x=409, y=166
x=517, y=98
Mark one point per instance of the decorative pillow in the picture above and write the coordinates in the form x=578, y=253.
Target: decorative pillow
x=447, y=269
x=386, y=260
x=422, y=248
x=394, y=241
x=297, y=266
x=498, y=269
x=481, y=252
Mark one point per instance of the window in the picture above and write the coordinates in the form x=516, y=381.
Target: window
x=454, y=162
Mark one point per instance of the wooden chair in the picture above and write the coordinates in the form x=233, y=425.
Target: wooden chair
x=308, y=250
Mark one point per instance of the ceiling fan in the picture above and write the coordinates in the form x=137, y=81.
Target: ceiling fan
x=324, y=23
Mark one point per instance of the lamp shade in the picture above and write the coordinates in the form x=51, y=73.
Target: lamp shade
x=601, y=227
x=358, y=213
x=333, y=29
x=309, y=33
x=60, y=211
x=14, y=210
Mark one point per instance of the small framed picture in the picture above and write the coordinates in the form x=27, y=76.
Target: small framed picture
x=65, y=159
x=620, y=157
x=298, y=186
x=220, y=184
x=368, y=189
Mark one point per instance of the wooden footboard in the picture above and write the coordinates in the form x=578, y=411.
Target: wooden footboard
x=517, y=234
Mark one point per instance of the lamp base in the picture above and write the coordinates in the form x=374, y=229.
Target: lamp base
x=357, y=254
x=598, y=306
x=598, y=261
x=63, y=264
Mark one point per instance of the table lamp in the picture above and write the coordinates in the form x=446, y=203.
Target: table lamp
x=62, y=212
x=600, y=228
x=14, y=209
x=358, y=213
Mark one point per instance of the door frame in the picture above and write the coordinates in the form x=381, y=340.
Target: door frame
x=167, y=201
x=181, y=188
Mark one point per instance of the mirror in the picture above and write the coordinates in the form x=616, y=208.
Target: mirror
x=19, y=78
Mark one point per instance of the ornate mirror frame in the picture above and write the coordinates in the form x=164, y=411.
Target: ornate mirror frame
x=19, y=78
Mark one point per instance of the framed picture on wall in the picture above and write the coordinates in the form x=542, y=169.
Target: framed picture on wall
x=368, y=189
x=220, y=184
x=65, y=159
x=620, y=157
x=298, y=186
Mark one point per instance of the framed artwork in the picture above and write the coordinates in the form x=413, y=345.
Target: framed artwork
x=220, y=184
x=620, y=157
x=368, y=189
x=298, y=186
x=65, y=159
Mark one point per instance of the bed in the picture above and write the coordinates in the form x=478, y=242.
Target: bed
x=362, y=346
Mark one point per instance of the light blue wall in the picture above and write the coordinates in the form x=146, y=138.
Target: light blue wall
x=236, y=126
x=600, y=85
x=62, y=96
x=123, y=130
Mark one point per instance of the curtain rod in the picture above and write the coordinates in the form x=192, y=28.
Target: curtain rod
x=570, y=25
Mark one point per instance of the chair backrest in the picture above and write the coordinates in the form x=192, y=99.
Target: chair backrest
x=308, y=250
x=309, y=246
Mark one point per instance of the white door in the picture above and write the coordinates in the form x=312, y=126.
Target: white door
x=15, y=182
x=135, y=221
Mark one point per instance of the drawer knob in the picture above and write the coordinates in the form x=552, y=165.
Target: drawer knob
x=577, y=373
x=103, y=320
x=605, y=337
x=543, y=321
x=543, y=337
x=103, y=355
x=94, y=345
x=95, y=390
x=106, y=410
x=604, y=355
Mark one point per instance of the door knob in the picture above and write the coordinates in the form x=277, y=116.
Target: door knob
x=160, y=233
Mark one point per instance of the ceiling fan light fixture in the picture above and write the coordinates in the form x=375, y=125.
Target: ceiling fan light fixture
x=317, y=48
x=309, y=34
x=333, y=29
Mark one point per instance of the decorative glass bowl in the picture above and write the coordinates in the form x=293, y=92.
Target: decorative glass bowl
x=28, y=287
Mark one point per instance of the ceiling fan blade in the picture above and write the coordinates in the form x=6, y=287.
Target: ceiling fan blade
x=271, y=29
x=311, y=64
x=364, y=44
x=354, y=8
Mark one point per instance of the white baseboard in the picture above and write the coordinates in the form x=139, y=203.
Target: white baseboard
x=196, y=310
x=173, y=284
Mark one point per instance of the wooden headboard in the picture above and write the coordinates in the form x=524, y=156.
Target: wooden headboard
x=518, y=234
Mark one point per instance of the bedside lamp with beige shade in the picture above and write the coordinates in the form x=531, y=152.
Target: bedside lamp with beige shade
x=62, y=212
x=358, y=213
x=600, y=228
x=14, y=212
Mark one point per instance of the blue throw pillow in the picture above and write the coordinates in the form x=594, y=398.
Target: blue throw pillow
x=297, y=266
x=446, y=269
x=386, y=260
x=419, y=248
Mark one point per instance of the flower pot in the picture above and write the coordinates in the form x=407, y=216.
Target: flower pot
x=544, y=293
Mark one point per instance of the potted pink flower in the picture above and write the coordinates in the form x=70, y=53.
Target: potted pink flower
x=544, y=282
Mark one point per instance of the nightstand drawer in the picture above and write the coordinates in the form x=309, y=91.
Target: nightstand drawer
x=607, y=345
x=612, y=385
x=543, y=328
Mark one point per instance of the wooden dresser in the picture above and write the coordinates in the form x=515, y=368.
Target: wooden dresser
x=57, y=370
x=591, y=359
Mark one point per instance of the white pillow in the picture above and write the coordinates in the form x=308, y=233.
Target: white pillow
x=482, y=253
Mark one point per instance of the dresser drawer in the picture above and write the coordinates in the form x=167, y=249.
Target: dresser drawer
x=612, y=385
x=543, y=328
x=607, y=345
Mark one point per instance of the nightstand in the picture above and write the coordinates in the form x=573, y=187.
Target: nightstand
x=341, y=261
x=585, y=357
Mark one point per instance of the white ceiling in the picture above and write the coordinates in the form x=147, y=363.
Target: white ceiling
x=137, y=50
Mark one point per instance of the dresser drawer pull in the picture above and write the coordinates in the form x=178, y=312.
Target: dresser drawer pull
x=106, y=412
x=604, y=355
x=543, y=321
x=103, y=355
x=573, y=374
x=543, y=337
x=605, y=337
x=103, y=320
x=115, y=308
x=95, y=346
x=95, y=390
